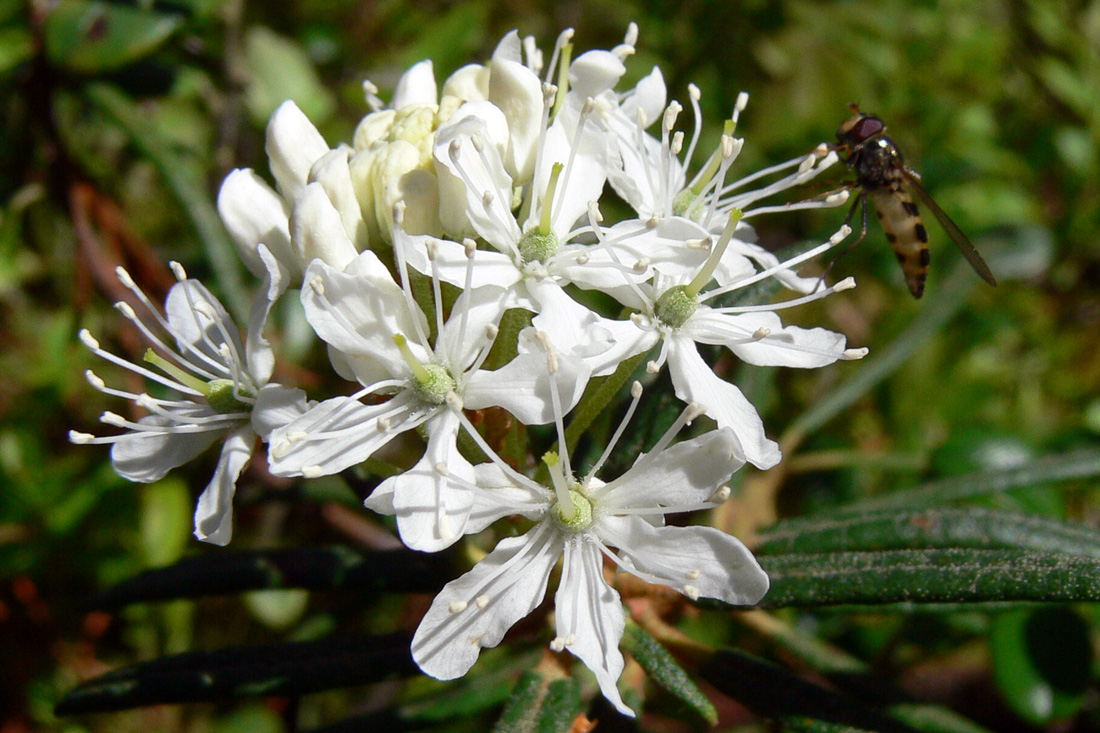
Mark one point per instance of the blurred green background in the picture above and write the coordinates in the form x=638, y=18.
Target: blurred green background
x=121, y=119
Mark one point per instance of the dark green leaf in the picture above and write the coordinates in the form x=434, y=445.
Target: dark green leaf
x=88, y=37
x=16, y=47
x=288, y=669
x=663, y=669
x=1061, y=467
x=775, y=692
x=1042, y=661
x=928, y=576
x=540, y=703
x=320, y=568
x=957, y=527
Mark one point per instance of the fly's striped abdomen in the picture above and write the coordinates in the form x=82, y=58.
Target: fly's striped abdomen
x=905, y=232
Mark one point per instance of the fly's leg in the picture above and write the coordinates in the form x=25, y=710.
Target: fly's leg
x=861, y=199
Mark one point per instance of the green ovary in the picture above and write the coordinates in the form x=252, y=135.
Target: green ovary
x=676, y=305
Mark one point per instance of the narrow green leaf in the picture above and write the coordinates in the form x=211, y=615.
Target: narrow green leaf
x=1042, y=662
x=191, y=194
x=279, y=69
x=933, y=719
x=957, y=527
x=777, y=693
x=319, y=568
x=540, y=703
x=290, y=669
x=16, y=47
x=663, y=669
x=928, y=576
x=90, y=36
x=597, y=396
x=1048, y=469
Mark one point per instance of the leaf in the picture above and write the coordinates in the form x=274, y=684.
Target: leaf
x=89, y=37
x=190, y=193
x=320, y=568
x=540, y=703
x=928, y=576
x=16, y=47
x=777, y=693
x=290, y=669
x=1042, y=662
x=1048, y=469
x=663, y=669
x=278, y=70
x=966, y=527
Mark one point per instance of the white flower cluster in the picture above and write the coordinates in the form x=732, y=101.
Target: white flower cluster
x=452, y=208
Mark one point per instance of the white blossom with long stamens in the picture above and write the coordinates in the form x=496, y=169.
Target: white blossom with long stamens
x=673, y=311
x=381, y=336
x=580, y=521
x=225, y=387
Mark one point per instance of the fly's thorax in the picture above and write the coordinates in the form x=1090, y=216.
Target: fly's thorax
x=878, y=164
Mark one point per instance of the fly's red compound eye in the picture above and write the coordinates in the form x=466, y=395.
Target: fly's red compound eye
x=866, y=127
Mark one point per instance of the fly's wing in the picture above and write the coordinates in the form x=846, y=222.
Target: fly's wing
x=961, y=240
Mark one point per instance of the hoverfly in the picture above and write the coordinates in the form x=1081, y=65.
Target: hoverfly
x=881, y=176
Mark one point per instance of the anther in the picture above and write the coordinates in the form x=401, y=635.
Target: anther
x=487, y=199
x=454, y=148
x=742, y=101
x=558, y=644
x=78, y=438
x=491, y=332
x=111, y=418
x=457, y=606
x=641, y=118
x=672, y=111
x=594, y=212
x=693, y=411
x=469, y=247
x=124, y=277
x=651, y=367
x=552, y=362
x=311, y=471
x=478, y=141
x=837, y=198
x=846, y=284
x=677, y=142
x=694, y=92
x=691, y=592
x=126, y=310
x=441, y=469
x=636, y=389
x=851, y=354
x=641, y=265
x=652, y=222
x=840, y=234
x=807, y=163
x=692, y=574
x=94, y=380
x=317, y=285
x=481, y=601
x=178, y=271
x=761, y=333
x=721, y=496
x=822, y=150
x=87, y=339
x=582, y=259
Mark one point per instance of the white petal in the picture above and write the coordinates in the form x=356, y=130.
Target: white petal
x=490, y=268
x=416, y=86
x=277, y=406
x=464, y=335
x=476, y=610
x=199, y=321
x=432, y=510
x=788, y=346
x=293, y=144
x=258, y=353
x=649, y=95
x=595, y=72
x=582, y=177
x=589, y=617
x=214, y=513
x=467, y=176
x=332, y=172
x=339, y=433
x=316, y=231
x=695, y=382
x=501, y=495
x=522, y=387
x=703, y=562
x=470, y=83
x=253, y=213
x=684, y=475
x=360, y=310
x=518, y=93
x=147, y=457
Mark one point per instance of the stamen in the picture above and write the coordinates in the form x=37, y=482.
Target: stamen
x=636, y=396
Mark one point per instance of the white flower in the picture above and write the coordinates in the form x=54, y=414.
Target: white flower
x=222, y=381
x=379, y=336
x=673, y=310
x=580, y=521
x=253, y=212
